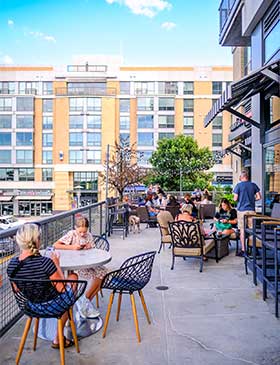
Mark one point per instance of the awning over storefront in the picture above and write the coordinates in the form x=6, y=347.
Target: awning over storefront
x=261, y=80
x=35, y=197
x=5, y=198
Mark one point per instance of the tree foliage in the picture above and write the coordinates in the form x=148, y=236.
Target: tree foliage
x=181, y=155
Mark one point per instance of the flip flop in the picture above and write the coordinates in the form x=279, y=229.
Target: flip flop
x=67, y=343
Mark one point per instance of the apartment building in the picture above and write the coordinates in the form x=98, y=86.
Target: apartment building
x=56, y=123
x=252, y=29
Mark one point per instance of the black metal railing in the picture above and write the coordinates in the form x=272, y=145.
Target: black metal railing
x=53, y=228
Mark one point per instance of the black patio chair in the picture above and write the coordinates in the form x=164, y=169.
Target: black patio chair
x=47, y=299
x=133, y=275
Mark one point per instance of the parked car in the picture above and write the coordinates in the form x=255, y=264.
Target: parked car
x=8, y=221
x=8, y=246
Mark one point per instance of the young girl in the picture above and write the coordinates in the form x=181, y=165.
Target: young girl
x=226, y=218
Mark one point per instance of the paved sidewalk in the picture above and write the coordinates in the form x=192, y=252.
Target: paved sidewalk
x=215, y=317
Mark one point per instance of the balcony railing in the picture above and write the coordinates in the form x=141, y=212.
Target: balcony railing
x=225, y=9
x=85, y=91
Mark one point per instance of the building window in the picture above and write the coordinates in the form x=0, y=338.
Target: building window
x=7, y=87
x=94, y=139
x=5, y=104
x=168, y=87
x=28, y=87
x=124, y=105
x=75, y=139
x=145, y=139
x=94, y=157
x=47, y=139
x=188, y=123
x=94, y=104
x=47, y=122
x=144, y=88
x=166, y=121
x=162, y=135
x=47, y=157
x=217, y=156
x=272, y=175
x=24, y=121
x=217, y=140
x=166, y=104
x=145, y=104
x=271, y=30
x=124, y=87
x=5, y=139
x=145, y=121
x=217, y=87
x=94, y=121
x=75, y=157
x=24, y=138
x=188, y=105
x=188, y=88
x=125, y=139
x=144, y=157
x=86, y=88
x=76, y=104
x=86, y=180
x=25, y=104
x=124, y=122
x=47, y=174
x=5, y=156
x=6, y=174
x=76, y=121
x=218, y=123
x=5, y=121
x=47, y=105
x=26, y=174
x=24, y=156
x=47, y=88
x=187, y=133
x=274, y=109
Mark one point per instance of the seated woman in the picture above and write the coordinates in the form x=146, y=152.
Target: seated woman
x=149, y=204
x=226, y=218
x=186, y=214
x=188, y=200
x=80, y=239
x=31, y=265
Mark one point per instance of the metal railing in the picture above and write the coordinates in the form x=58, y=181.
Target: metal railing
x=85, y=91
x=53, y=228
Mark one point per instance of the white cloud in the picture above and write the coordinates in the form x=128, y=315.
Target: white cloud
x=40, y=35
x=168, y=25
x=11, y=23
x=6, y=60
x=149, y=8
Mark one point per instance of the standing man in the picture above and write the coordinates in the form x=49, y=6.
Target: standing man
x=245, y=193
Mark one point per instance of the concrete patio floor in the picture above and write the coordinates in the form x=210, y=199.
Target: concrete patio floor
x=214, y=317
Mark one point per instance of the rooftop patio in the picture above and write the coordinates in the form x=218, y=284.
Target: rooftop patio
x=214, y=317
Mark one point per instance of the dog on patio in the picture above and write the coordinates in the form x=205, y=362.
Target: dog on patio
x=134, y=223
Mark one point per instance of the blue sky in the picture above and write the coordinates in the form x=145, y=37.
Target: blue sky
x=145, y=32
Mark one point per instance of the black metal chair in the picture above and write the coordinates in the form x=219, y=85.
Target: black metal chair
x=133, y=275
x=143, y=214
x=47, y=299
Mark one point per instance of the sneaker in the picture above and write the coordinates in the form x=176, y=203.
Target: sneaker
x=86, y=308
x=241, y=254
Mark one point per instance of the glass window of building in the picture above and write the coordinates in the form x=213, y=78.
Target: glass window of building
x=188, y=122
x=6, y=174
x=47, y=157
x=271, y=42
x=145, y=139
x=25, y=104
x=162, y=135
x=76, y=121
x=274, y=109
x=86, y=88
x=94, y=139
x=187, y=133
x=125, y=139
x=144, y=88
x=75, y=156
x=47, y=174
x=218, y=123
x=217, y=156
x=168, y=87
x=166, y=103
x=94, y=104
x=166, y=121
x=145, y=104
x=47, y=139
x=94, y=121
x=24, y=138
x=76, y=104
x=47, y=105
x=124, y=105
x=217, y=87
x=5, y=104
x=272, y=175
x=188, y=88
x=5, y=156
x=87, y=180
x=5, y=139
x=75, y=139
x=26, y=174
x=188, y=105
x=124, y=122
x=47, y=122
x=47, y=88
x=5, y=121
x=24, y=121
x=144, y=157
x=28, y=87
x=145, y=121
x=7, y=87
x=94, y=157
x=124, y=87
x=24, y=156
x=217, y=140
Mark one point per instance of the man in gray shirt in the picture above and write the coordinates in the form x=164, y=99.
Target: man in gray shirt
x=245, y=193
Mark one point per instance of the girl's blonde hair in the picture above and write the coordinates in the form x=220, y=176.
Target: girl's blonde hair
x=187, y=208
x=81, y=222
x=28, y=236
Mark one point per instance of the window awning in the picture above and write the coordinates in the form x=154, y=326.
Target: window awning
x=5, y=198
x=261, y=80
x=33, y=197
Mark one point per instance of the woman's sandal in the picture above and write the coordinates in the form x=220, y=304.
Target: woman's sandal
x=67, y=343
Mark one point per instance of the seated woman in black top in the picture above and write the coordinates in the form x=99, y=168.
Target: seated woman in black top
x=31, y=265
x=226, y=218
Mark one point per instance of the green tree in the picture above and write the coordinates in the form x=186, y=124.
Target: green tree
x=181, y=156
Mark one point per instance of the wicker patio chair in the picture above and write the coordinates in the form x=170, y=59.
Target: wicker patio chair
x=133, y=275
x=164, y=217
